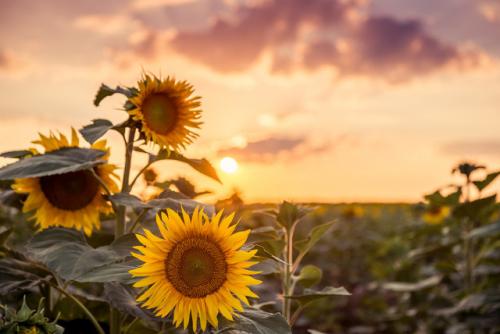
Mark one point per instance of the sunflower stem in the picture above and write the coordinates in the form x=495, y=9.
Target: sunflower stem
x=288, y=285
x=82, y=307
x=114, y=315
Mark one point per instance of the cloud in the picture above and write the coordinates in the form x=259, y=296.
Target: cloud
x=276, y=147
x=233, y=46
x=383, y=46
x=487, y=147
x=321, y=33
x=12, y=63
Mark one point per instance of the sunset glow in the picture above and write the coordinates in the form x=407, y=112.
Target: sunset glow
x=228, y=165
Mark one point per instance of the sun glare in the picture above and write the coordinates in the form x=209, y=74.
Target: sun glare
x=228, y=165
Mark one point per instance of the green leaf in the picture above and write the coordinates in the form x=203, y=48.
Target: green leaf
x=105, y=91
x=98, y=128
x=489, y=230
x=474, y=209
x=122, y=298
x=256, y=322
x=412, y=287
x=436, y=198
x=309, y=276
x=16, y=154
x=310, y=295
x=176, y=204
x=271, y=246
x=480, y=185
x=18, y=273
x=67, y=254
x=201, y=165
x=289, y=213
x=62, y=161
x=314, y=236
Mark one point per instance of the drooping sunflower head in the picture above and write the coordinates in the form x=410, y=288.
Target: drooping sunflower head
x=436, y=214
x=167, y=111
x=196, y=268
x=72, y=200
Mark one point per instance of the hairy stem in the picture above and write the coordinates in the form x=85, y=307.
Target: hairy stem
x=468, y=246
x=114, y=316
x=288, y=285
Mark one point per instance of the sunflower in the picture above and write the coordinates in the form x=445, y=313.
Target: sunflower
x=72, y=200
x=436, y=214
x=195, y=269
x=167, y=111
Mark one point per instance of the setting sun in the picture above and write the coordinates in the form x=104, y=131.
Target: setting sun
x=228, y=165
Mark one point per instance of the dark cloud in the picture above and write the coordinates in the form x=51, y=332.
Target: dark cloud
x=264, y=149
x=278, y=147
x=338, y=36
x=385, y=46
x=489, y=147
x=230, y=46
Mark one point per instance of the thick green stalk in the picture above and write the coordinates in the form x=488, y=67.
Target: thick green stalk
x=468, y=246
x=83, y=308
x=288, y=285
x=114, y=316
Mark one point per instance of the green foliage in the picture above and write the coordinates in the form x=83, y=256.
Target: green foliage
x=16, y=154
x=317, y=232
x=480, y=185
x=288, y=214
x=159, y=203
x=309, y=295
x=27, y=321
x=73, y=259
x=98, y=128
x=105, y=91
x=62, y=161
x=309, y=276
x=256, y=322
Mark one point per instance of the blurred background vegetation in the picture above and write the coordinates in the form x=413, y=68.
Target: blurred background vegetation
x=429, y=267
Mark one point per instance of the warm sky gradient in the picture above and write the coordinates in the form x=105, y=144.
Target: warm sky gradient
x=322, y=100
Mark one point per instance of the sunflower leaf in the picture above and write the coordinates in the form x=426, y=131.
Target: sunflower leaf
x=62, y=161
x=17, y=272
x=480, y=185
x=310, y=295
x=67, y=254
x=201, y=165
x=290, y=213
x=122, y=298
x=314, y=236
x=105, y=91
x=309, y=276
x=98, y=128
x=256, y=322
x=160, y=203
x=16, y=154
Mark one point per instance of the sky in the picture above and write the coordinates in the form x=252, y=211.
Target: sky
x=317, y=100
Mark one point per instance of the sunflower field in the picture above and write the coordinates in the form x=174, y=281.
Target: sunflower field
x=81, y=251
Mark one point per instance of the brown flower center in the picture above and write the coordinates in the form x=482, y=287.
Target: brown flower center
x=160, y=113
x=196, y=267
x=70, y=191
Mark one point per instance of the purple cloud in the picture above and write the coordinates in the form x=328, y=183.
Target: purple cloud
x=277, y=147
x=321, y=33
x=229, y=46
x=264, y=149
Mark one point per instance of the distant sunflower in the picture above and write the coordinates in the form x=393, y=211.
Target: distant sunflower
x=167, y=111
x=436, y=214
x=72, y=200
x=196, y=268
